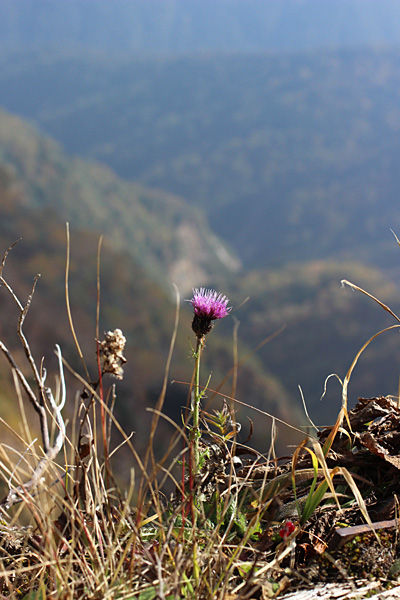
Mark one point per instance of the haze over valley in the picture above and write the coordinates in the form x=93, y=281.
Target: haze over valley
x=267, y=170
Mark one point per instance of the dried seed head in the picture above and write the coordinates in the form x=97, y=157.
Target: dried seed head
x=111, y=353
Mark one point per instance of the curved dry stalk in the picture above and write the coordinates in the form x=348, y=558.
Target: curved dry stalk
x=68, y=305
x=381, y=304
x=353, y=364
x=91, y=390
x=16, y=494
x=157, y=411
x=343, y=414
x=233, y=371
x=6, y=253
x=23, y=339
x=44, y=393
x=39, y=408
x=255, y=408
x=38, y=404
x=306, y=410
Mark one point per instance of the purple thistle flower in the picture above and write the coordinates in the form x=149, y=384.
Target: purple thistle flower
x=208, y=306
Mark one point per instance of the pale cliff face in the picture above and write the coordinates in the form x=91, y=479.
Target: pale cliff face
x=199, y=255
x=162, y=233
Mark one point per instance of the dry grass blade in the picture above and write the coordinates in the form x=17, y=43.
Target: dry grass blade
x=255, y=408
x=343, y=414
x=229, y=529
x=381, y=304
x=357, y=495
x=326, y=472
x=236, y=364
x=68, y=305
x=353, y=364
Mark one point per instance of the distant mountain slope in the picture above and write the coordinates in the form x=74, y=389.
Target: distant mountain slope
x=292, y=157
x=325, y=326
x=165, y=236
x=152, y=26
x=129, y=300
x=39, y=188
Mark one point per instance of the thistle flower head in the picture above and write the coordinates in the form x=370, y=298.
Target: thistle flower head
x=208, y=306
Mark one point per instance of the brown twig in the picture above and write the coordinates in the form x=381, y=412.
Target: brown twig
x=44, y=393
x=15, y=494
x=41, y=410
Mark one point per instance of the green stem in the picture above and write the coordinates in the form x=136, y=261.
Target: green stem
x=196, y=407
x=196, y=451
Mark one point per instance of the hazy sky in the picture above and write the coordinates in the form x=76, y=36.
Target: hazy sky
x=197, y=25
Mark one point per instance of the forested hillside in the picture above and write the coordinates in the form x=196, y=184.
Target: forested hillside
x=324, y=326
x=40, y=188
x=292, y=157
x=199, y=207
x=164, y=235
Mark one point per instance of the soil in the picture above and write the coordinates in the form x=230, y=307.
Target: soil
x=336, y=552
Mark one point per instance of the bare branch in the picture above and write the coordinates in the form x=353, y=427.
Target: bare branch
x=24, y=341
x=2, y=280
x=38, y=403
x=39, y=408
x=10, y=290
x=15, y=495
x=6, y=253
